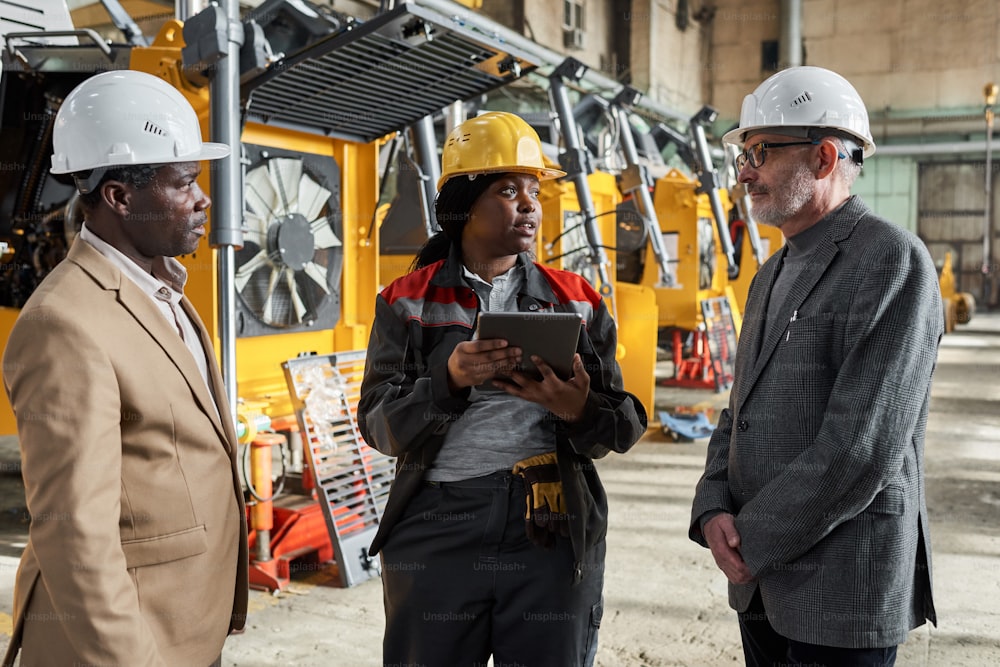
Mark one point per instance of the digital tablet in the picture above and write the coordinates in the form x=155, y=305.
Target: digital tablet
x=551, y=336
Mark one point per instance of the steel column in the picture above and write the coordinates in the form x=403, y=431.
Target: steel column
x=227, y=191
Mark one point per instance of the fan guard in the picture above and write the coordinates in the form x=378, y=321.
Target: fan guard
x=287, y=274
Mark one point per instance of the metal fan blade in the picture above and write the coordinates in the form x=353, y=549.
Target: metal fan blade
x=267, y=311
x=318, y=274
x=286, y=173
x=300, y=308
x=260, y=195
x=243, y=274
x=312, y=198
x=323, y=236
x=255, y=227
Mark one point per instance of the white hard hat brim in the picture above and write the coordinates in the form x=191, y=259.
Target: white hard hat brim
x=209, y=151
x=213, y=151
x=737, y=137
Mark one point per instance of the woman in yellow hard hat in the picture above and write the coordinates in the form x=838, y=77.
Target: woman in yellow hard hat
x=492, y=540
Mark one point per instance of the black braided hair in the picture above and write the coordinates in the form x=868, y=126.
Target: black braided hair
x=451, y=208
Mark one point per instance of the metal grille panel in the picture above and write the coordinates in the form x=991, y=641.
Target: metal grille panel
x=352, y=479
x=720, y=333
x=381, y=76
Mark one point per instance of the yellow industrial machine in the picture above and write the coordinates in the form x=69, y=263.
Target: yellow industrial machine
x=268, y=289
x=563, y=245
x=280, y=153
x=315, y=116
x=290, y=270
x=692, y=241
x=959, y=307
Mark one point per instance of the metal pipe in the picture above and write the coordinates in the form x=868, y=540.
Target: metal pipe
x=944, y=148
x=425, y=155
x=709, y=178
x=466, y=18
x=185, y=9
x=914, y=129
x=454, y=115
x=790, y=46
x=227, y=189
x=125, y=23
x=635, y=181
x=990, y=93
x=574, y=161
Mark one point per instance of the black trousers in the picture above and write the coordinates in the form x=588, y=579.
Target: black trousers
x=461, y=582
x=763, y=647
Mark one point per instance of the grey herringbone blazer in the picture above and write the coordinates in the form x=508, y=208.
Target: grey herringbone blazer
x=820, y=452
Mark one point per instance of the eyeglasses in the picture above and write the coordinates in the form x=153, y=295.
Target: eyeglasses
x=755, y=154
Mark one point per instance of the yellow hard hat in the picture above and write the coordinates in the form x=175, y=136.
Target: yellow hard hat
x=495, y=142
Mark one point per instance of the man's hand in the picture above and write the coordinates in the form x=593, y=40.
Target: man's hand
x=473, y=362
x=724, y=541
x=565, y=399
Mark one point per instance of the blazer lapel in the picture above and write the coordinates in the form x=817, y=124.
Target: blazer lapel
x=762, y=341
x=754, y=323
x=797, y=294
x=165, y=334
x=218, y=387
x=142, y=308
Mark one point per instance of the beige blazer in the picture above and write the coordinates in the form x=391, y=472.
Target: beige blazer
x=137, y=552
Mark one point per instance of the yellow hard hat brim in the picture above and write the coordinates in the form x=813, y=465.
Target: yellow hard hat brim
x=543, y=174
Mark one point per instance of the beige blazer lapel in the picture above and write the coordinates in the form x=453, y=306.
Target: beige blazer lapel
x=218, y=387
x=142, y=308
x=165, y=334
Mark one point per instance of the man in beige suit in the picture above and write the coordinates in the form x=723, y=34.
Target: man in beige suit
x=137, y=550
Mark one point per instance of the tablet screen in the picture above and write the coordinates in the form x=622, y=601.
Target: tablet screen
x=551, y=336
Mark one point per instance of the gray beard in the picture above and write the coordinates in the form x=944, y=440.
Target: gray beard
x=787, y=199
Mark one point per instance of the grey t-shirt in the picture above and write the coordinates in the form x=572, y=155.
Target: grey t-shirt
x=497, y=430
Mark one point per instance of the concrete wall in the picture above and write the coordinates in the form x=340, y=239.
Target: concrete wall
x=664, y=62
x=920, y=66
x=900, y=54
x=667, y=63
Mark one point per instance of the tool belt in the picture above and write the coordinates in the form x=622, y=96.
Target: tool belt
x=545, y=513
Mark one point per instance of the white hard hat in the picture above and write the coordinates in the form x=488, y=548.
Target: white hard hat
x=127, y=118
x=804, y=97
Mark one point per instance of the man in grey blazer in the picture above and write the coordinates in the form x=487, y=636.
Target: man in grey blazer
x=137, y=550
x=812, y=500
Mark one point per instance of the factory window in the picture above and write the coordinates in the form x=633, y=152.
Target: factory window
x=573, y=15
x=769, y=56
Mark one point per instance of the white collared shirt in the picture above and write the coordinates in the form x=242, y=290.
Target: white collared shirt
x=165, y=287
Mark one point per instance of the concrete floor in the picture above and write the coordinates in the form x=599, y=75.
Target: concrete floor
x=665, y=600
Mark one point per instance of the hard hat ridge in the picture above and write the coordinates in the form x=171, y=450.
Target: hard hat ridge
x=125, y=118
x=804, y=97
x=494, y=142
